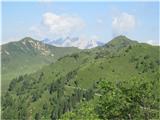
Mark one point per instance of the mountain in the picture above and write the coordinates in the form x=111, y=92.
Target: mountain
x=121, y=41
x=80, y=43
x=27, y=56
x=116, y=81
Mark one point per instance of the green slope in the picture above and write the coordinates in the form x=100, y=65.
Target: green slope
x=27, y=56
x=59, y=87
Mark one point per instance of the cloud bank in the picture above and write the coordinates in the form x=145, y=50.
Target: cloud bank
x=123, y=23
x=54, y=25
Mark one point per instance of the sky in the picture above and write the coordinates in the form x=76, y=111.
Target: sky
x=92, y=20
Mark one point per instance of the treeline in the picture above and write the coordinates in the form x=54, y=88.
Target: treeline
x=62, y=103
x=59, y=102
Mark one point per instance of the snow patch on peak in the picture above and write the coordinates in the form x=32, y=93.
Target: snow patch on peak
x=81, y=43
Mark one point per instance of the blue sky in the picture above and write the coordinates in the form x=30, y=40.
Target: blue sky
x=92, y=20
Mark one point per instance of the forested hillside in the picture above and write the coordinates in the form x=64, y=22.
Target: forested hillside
x=119, y=80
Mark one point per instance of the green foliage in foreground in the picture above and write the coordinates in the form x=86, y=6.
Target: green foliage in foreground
x=137, y=99
x=85, y=111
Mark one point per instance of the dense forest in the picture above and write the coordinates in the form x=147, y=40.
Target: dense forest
x=119, y=80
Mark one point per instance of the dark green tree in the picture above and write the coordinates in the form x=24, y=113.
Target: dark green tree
x=37, y=116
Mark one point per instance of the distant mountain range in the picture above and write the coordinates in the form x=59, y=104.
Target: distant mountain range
x=80, y=43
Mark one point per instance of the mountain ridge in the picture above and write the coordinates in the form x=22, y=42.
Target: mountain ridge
x=21, y=56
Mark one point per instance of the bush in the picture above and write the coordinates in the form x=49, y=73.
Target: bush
x=136, y=99
x=146, y=56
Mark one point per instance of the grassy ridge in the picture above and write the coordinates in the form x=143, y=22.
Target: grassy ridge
x=28, y=56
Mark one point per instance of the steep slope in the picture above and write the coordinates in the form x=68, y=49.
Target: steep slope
x=57, y=88
x=27, y=56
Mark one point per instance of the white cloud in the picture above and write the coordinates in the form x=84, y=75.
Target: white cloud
x=54, y=25
x=153, y=42
x=122, y=23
